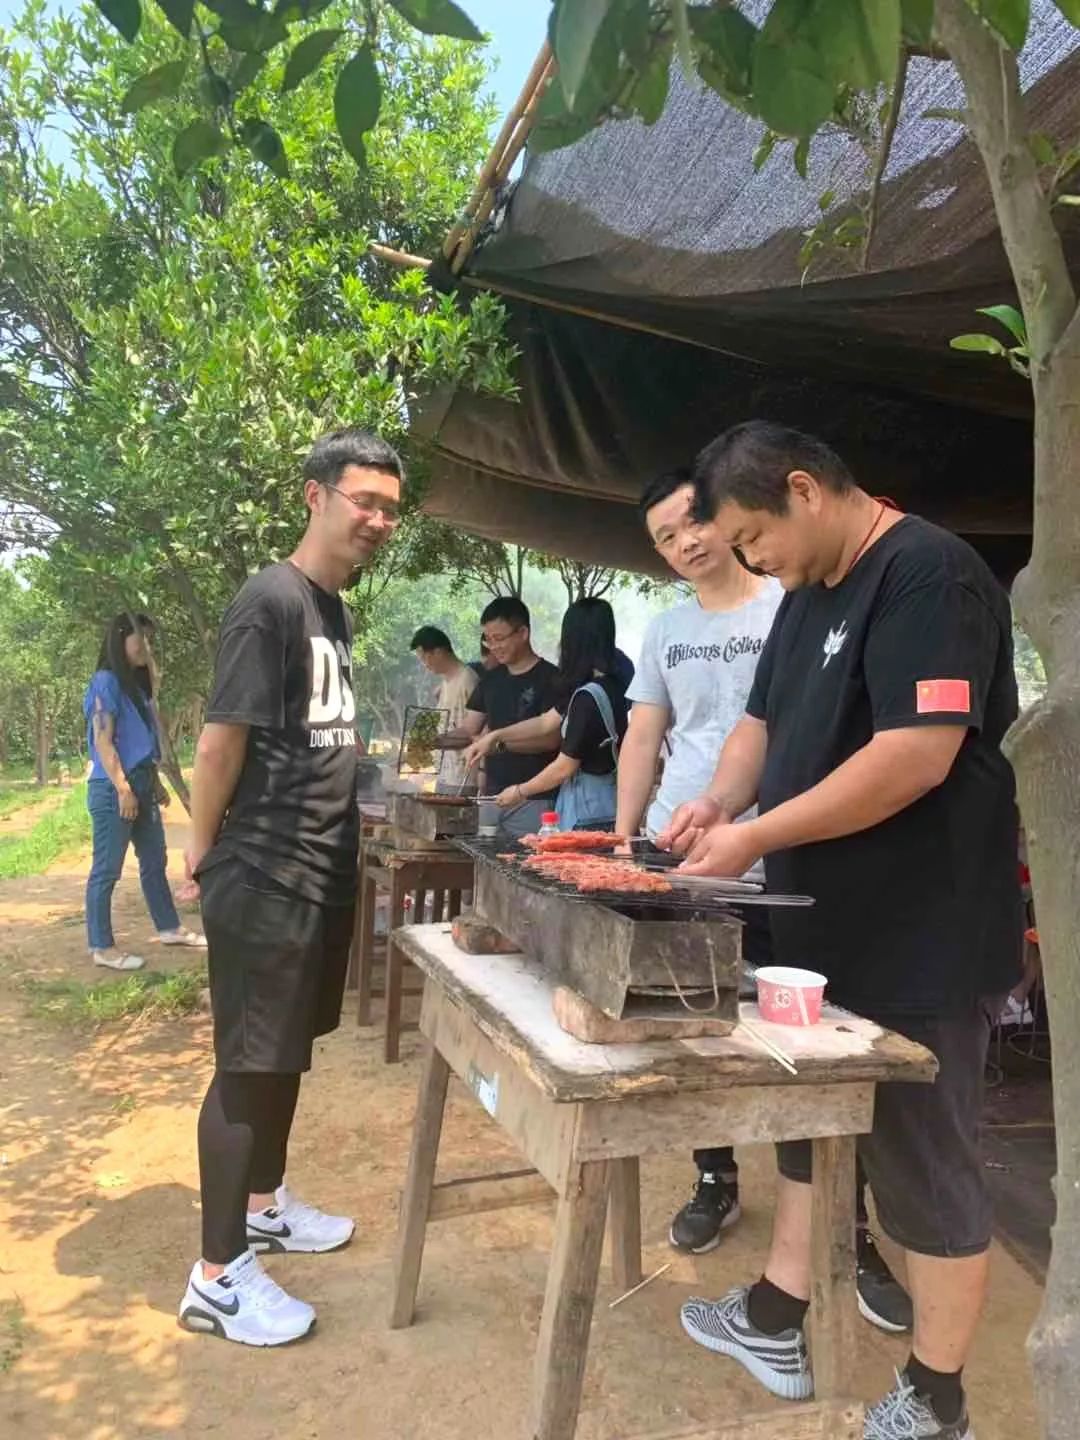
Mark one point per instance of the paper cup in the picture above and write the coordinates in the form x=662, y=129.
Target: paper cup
x=788, y=996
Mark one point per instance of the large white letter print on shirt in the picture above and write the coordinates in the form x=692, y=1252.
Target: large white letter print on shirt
x=331, y=683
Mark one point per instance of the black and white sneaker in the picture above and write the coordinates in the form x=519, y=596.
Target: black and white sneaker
x=290, y=1225
x=780, y=1362
x=882, y=1299
x=904, y=1415
x=713, y=1206
x=245, y=1305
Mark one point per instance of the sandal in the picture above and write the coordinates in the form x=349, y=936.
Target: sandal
x=117, y=961
x=189, y=938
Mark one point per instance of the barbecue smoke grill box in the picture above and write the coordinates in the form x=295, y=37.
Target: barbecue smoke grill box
x=433, y=817
x=670, y=956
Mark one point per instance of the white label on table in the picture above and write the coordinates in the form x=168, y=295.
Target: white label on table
x=485, y=1090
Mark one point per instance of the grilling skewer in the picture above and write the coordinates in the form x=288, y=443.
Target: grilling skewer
x=780, y=1056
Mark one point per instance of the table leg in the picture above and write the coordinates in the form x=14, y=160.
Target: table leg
x=832, y=1286
x=573, y=1271
x=624, y=1225
x=454, y=908
x=364, y=941
x=438, y=903
x=395, y=966
x=416, y=1197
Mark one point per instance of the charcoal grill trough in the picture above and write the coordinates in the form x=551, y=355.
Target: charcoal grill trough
x=433, y=817
x=677, y=954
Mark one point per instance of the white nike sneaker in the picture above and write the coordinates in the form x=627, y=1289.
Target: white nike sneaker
x=289, y=1224
x=245, y=1305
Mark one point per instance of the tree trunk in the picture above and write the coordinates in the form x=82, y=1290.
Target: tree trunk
x=1044, y=747
x=41, y=739
x=170, y=763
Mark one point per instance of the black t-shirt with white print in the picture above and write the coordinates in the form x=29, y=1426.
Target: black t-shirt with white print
x=920, y=914
x=284, y=668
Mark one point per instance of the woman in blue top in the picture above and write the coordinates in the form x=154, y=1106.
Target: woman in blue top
x=125, y=794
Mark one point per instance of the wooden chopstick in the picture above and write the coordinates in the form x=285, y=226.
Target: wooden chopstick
x=780, y=1056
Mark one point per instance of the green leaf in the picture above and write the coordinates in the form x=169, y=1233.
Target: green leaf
x=801, y=157
x=825, y=200
x=1067, y=200
x=555, y=125
x=247, y=69
x=917, y=21
x=158, y=84
x=438, y=17
x=793, y=87
x=938, y=112
x=179, y=14
x=1070, y=9
x=307, y=56
x=259, y=35
x=680, y=25
x=635, y=34
x=577, y=25
x=857, y=40
x=124, y=15
x=357, y=99
x=1042, y=148
x=291, y=10
x=651, y=89
x=239, y=12
x=1008, y=316
x=726, y=49
x=264, y=142
x=1010, y=18
x=197, y=141
x=983, y=344
x=765, y=149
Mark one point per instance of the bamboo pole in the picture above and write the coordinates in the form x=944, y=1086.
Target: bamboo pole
x=506, y=164
x=491, y=164
x=400, y=257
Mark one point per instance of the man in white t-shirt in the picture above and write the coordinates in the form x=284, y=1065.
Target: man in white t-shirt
x=457, y=681
x=693, y=678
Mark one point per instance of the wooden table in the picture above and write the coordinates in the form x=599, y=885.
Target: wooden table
x=583, y=1115
x=444, y=874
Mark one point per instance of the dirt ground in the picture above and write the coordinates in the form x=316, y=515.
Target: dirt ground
x=99, y=1226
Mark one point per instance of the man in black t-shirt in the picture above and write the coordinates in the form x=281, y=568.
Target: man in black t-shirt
x=872, y=745
x=274, y=833
x=521, y=688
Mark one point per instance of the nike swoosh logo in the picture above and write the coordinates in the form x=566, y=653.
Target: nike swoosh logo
x=226, y=1308
x=282, y=1234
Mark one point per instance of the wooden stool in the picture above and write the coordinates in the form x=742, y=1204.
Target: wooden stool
x=583, y=1117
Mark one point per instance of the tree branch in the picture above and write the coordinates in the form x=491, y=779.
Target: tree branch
x=996, y=115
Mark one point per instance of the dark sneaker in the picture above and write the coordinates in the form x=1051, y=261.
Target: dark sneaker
x=882, y=1299
x=713, y=1206
x=780, y=1362
x=903, y=1415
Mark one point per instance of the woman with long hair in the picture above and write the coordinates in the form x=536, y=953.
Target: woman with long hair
x=588, y=719
x=125, y=793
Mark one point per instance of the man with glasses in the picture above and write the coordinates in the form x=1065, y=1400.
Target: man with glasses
x=520, y=688
x=274, y=832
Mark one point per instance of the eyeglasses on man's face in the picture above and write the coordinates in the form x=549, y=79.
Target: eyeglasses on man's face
x=369, y=504
x=494, y=640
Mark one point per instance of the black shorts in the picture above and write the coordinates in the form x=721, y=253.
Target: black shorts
x=277, y=966
x=923, y=1157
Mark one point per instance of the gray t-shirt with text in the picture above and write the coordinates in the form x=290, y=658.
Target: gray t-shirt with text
x=699, y=664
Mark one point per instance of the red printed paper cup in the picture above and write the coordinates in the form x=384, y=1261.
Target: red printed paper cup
x=788, y=996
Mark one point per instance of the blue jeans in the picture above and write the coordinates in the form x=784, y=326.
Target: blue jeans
x=111, y=837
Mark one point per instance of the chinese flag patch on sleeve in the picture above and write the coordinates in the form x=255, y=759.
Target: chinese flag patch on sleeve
x=934, y=697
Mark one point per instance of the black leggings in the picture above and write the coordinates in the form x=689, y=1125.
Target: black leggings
x=722, y=1162
x=244, y=1129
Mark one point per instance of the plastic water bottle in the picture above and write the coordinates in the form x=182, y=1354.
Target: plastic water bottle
x=549, y=823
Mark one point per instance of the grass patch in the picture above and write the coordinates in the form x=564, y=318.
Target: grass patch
x=12, y=1333
x=64, y=829
x=22, y=797
x=144, y=992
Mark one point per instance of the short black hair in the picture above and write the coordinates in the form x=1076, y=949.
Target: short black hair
x=509, y=608
x=332, y=454
x=661, y=486
x=430, y=637
x=750, y=464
